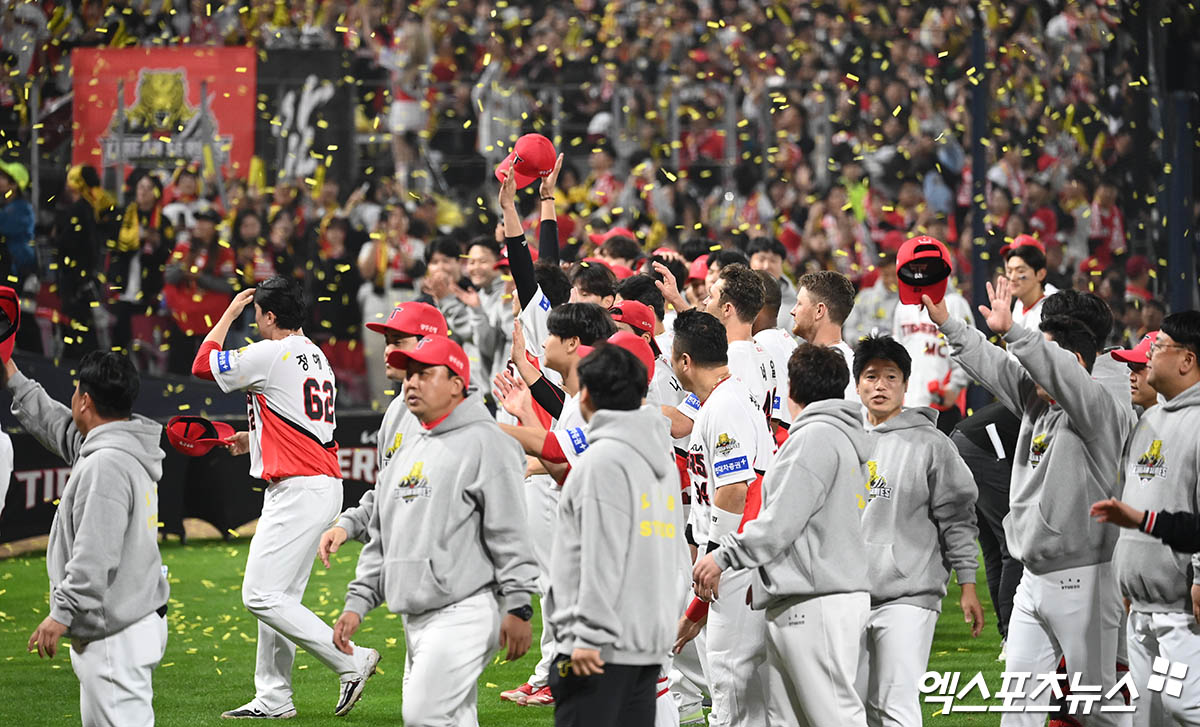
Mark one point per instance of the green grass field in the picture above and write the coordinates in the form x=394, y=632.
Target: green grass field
x=209, y=664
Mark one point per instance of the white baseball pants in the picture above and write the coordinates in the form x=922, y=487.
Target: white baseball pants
x=812, y=655
x=893, y=657
x=295, y=513
x=1076, y=613
x=541, y=514
x=446, y=651
x=688, y=681
x=737, y=656
x=1176, y=638
x=666, y=714
x=115, y=674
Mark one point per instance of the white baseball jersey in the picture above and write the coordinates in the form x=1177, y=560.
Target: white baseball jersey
x=570, y=429
x=752, y=364
x=730, y=444
x=533, y=324
x=851, y=393
x=779, y=345
x=290, y=394
x=665, y=389
x=931, y=362
x=1033, y=317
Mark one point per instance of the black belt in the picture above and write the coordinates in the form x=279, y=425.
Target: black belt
x=162, y=611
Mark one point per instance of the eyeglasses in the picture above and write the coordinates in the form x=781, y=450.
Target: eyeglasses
x=1156, y=347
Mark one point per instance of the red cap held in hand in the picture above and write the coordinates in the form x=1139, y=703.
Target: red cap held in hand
x=532, y=157
x=196, y=436
x=923, y=268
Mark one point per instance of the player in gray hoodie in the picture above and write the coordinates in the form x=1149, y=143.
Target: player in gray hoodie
x=1159, y=472
x=618, y=549
x=1072, y=432
x=447, y=547
x=919, y=523
x=107, y=588
x=804, y=547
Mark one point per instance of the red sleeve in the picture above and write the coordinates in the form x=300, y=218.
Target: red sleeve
x=552, y=450
x=200, y=367
x=753, y=502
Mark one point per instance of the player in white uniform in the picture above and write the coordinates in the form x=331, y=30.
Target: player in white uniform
x=936, y=378
x=290, y=392
x=735, y=299
x=730, y=449
x=823, y=302
x=407, y=324
x=1025, y=268
x=777, y=342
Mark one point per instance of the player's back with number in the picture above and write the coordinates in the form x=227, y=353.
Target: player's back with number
x=291, y=393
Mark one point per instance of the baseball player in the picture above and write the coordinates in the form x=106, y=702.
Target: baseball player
x=620, y=505
x=777, y=342
x=1025, y=268
x=1072, y=432
x=447, y=547
x=1159, y=472
x=823, y=301
x=804, y=550
x=639, y=319
x=407, y=324
x=730, y=449
x=290, y=394
x=107, y=588
x=735, y=298
x=918, y=522
x=936, y=379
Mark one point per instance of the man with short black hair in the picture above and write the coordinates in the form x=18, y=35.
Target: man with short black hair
x=614, y=626
x=805, y=549
x=1072, y=434
x=767, y=255
x=918, y=523
x=592, y=282
x=108, y=592
x=823, y=302
x=735, y=299
x=291, y=392
x=776, y=341
x=448, y=549
x=620, y=250
x=730, y=448
x=1025, y=268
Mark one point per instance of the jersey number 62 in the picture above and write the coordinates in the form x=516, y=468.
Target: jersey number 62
x=316, y=406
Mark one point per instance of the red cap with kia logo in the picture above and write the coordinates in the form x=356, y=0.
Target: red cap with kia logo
x=532, y=157
x=636, y=315
x=1139, y=354
x=435, y=351
x=923, y=268
x=636, y=345
x=1022, y=241
x=413, y=319
x=196, y=436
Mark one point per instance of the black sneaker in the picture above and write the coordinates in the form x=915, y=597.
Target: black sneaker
x=254, y=710
x=352, y=689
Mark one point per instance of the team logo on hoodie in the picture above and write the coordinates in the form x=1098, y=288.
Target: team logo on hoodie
x=1151, y=464
x=877, y=485
x=725, y=444
x=1037, y=449
x=414, y=484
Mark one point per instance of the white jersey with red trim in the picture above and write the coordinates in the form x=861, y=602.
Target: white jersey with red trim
x=751, y=363
x=931, y=362
x=533, y=324
x=290, y=395
x=779, y=345
x=570, y=429
x=730, y=444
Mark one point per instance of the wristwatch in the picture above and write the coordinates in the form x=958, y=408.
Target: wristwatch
x=525, y=613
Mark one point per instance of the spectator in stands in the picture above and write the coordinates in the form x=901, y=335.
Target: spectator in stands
x=81, y=227
x=17, y=257
x=443, y=276
x=489, y=302
x=136, y=257
x=767, y=254
x=874, y=307
x=336, y=317
x=183, y=199
x=200, y=282
x=1137, y=278
x=1106, y=235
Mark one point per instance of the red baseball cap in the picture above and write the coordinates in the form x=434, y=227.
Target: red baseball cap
x=414, y=319
x=196, y=436
x=10, y=322
x=435, y=351
x=532, y=157
x=599, y=238
x=1022, y=241
x=638, y=316
x=1136, y=265
x=698, y=270
x=1139, y=354
x=636, y=345
x=923, y=268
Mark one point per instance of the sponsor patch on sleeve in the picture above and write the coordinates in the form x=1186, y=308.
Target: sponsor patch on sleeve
x=579, y=441
x=544, y=303
x=731, y=466
x=223, y=363
x=691, y=402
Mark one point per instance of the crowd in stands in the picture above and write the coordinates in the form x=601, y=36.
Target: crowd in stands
x=804, y=136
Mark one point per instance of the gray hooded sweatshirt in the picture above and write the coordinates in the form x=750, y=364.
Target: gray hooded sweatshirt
x=619, y=545
x=807, y=539
x=1161, y=471
x=102, y=558
x=448, y=521
x=1067, y=453
x=920, y=517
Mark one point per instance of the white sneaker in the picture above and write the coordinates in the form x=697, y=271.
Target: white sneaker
x=352, y=688
x=1003, y=650
x=255, y=710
